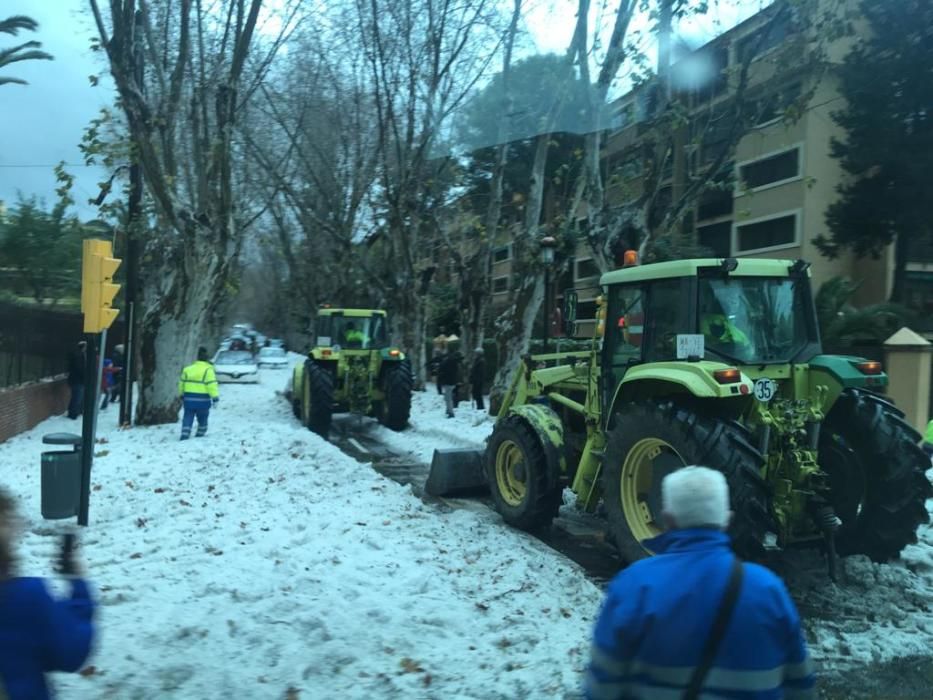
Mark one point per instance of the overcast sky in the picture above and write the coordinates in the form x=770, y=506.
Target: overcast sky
x=42, y=123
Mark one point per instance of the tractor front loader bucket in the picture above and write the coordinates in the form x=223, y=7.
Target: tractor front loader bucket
x=456, y=471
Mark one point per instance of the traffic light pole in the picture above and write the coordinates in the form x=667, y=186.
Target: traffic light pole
x=88, y=422
x=132, y=248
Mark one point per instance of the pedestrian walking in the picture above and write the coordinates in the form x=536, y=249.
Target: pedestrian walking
x=693, y=618
x=77, y=360
x=478, y=377
x=198, y=389
x=106, y=383
x=119, y=362
x=448, y=375
x=38, y=634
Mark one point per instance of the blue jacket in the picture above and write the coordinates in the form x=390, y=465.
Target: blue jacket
x=39, y=634
x=658, y=614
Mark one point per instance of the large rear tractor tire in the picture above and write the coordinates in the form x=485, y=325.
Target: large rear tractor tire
x=648, y=442
x=516, y=469
x=317, y=398
x=876, y=468
x=395, y=409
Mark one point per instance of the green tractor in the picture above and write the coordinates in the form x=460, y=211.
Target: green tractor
x=717, y=363
x=352, y=368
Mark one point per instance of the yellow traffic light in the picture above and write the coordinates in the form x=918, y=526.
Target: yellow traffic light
x=97, y=288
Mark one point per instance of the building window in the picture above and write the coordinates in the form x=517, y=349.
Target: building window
x=770, y=233
x=773, y=169
x=716, y=238
x=774, y=33
x=500, y=285
x=501, y=254
x=715, y=202
x=586, y=268
x=775, y=105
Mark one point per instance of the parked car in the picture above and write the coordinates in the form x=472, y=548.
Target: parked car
x=235, y=366
x=238, y=342
x=276, y=343
x=275, y=358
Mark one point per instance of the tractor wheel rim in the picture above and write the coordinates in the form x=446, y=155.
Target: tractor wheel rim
x=510, y=473
x=641, y=475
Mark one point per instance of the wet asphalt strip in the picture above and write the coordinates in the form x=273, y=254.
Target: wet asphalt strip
x=578, y=536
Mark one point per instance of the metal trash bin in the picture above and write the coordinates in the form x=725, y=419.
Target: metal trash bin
x=61, y=477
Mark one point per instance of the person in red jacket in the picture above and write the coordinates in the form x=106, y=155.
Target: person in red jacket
x=38, y=634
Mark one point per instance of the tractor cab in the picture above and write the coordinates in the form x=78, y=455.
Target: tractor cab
x=352, y=368
x=743, y=313
x=352, y=329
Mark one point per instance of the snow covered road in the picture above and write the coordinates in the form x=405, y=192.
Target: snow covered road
x=261, y=558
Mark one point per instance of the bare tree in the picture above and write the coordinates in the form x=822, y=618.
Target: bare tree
x=181, y=120
x=652, y=218
x=317, y=158
x=424, y=57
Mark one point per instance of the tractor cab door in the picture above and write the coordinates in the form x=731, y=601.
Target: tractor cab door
x=642, y=323
x=623, y=345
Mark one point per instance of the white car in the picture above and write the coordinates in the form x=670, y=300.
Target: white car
x=235, y=366
x=272, y=357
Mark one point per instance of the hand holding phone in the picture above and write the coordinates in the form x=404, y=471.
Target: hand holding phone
x=66, y=563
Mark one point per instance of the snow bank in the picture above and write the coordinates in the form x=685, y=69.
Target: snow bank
x=261, y=558
x=876, y=613
x=430, y=427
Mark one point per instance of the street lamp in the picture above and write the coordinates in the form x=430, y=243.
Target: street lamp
x=546, y=252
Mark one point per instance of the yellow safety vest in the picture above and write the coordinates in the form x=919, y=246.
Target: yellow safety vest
x=730, y=334
x=929, y=434
x=198, y=378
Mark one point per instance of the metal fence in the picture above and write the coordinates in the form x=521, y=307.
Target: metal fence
x=35, y=341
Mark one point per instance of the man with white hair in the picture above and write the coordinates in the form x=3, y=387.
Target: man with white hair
x=693, y=619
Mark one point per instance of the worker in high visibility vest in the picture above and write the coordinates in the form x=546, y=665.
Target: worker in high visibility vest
x=198, y=389
x=721, y=330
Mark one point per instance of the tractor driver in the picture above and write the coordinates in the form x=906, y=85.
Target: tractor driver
x=353, y=336
x=720, y=330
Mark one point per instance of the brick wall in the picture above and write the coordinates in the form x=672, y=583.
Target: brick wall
x=25, y=406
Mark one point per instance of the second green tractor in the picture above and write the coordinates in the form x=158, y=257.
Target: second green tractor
x=352, y=368
x=716, y=363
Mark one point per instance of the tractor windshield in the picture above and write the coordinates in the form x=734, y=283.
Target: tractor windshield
x=352, y=332
x=754, y=319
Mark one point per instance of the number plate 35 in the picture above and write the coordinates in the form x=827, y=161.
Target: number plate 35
x=765, y=389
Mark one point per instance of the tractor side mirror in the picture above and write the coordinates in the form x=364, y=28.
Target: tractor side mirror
x=570, y=311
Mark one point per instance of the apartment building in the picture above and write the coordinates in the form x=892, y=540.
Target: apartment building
x=773, y=193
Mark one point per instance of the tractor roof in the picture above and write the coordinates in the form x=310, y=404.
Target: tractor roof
x=747, y=267
x=355, y=313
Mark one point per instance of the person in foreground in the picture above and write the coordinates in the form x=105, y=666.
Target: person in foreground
x=692, y=618
x=38, y=634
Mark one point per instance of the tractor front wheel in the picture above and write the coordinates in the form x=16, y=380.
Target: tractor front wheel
x=317, y=398
x=651, y=441
x=516, y=469
x=876, y=469
x=395, y=409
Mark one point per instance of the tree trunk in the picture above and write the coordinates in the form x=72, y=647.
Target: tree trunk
x=513, y=336
x=514, y=326
x=411, y=325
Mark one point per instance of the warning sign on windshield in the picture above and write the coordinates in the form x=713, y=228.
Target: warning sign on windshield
x=689, y=345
